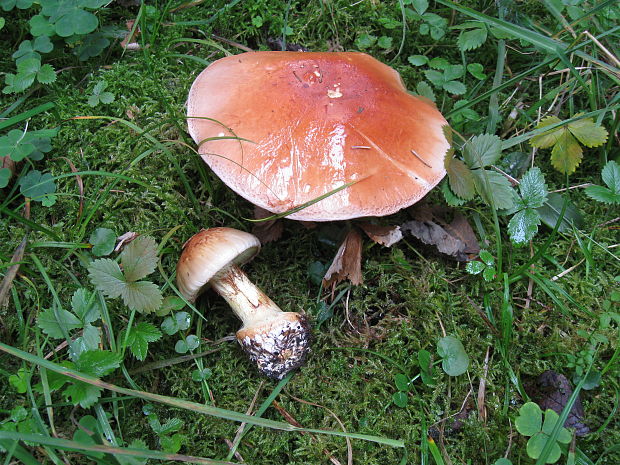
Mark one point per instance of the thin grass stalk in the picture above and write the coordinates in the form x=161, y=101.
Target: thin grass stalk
x=187, y=405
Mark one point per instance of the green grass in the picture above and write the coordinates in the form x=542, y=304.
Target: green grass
x=141, y=173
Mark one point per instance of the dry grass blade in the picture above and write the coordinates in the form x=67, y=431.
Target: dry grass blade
x=80, y=184
x=187, y=405
x=349, y=447
x=288, y=417
x=482, y=388
x=7, y=282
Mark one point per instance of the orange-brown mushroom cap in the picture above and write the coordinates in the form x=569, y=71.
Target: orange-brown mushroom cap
x=296, y=126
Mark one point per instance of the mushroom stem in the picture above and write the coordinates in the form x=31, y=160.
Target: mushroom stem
x=248, y=302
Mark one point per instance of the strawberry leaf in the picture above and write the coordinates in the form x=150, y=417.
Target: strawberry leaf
x=548, y=138
x=139, y=258
x=107, y=277
x=143, y=296
x=611, y=176
x=567, y=153
x=482, y=150
x=140, y=336
x=588, y=133
x=460, y=178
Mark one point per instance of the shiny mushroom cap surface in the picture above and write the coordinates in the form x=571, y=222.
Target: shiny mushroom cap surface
x=207, y=253
x=290, y=127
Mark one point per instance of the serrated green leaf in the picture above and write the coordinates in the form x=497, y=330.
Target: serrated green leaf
x=98, y=363
x=450, y=197
x=587, y=132
x=140, y=336
x=106, y=97
x=35, y=185
x=365, y=41
x=439, y=63
x=425, y=90
x=417, y=60
x=489, y=273
x=139, y=258
x=103, y=241
x=51, y=323
x=384, y=42
x=533, y=188
x=494, y=189
x=455, y=87
x=529, y=421
x=566, y=154
x=85, y=305
x=487, y=257
x=460, y=178
x=107, y=277
x=523, y=226
x=472, y=39
x=482, y=150
x=46, y=74
x=93, y=100
x=81, y=393
x=611, y=176
x=548, y=138
x=602, y=194
x=143, y=296
x=453, y=72
x=89, y=340
x=475, y=267
x=435, y=77
x=455, y=360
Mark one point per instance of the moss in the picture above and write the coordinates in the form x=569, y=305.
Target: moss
x=403, y=306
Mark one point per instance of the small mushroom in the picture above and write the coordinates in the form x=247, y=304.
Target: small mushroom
x=276, y=341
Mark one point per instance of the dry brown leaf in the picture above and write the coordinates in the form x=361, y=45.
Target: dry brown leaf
x=7, y=162
x=384, y=235
x=551, y=390
x=455, y=238
x=347, y=263
x=266, y=231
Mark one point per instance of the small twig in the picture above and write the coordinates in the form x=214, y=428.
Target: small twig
x=586, y=184
x=482, y=388
x=420, y=158
x=565, y=272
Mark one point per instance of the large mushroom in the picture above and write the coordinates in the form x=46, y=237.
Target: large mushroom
x=276, y=341
x=285, y=128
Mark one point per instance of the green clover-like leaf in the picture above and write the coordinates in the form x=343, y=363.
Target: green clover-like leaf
x=455, y=360
x=529, y=421
x=36, y=185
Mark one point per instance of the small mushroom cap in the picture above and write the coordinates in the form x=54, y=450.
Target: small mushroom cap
x=278, y=345
x=210, y=251
x=284, y=128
